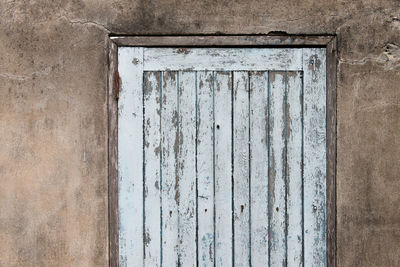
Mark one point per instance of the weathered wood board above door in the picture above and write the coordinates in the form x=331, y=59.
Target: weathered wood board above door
x=222, y=157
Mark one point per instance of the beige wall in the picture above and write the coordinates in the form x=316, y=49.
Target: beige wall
x=53, y=116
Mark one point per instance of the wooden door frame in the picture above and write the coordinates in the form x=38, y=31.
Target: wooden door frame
x=325, y=41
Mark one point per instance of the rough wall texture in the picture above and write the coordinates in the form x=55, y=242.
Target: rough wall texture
x=53, y=119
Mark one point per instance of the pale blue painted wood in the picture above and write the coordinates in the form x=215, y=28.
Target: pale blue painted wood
x=187, y=169
x=277, y=170
x=169, y=168
x=152, y=175
x=259, y=168
x=223, y=169
x=222, y=59
x=216, y=192
x=205, y=165
x=241, y=170
x=314, y=66
x=294, y=169
x=130, y=156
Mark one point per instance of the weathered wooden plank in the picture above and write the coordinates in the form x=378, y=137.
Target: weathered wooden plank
x=241, y=188
x=223, y=169
x=152, y=194
x=178, y=157
x=205, y=172
x=294, y=170
x=331, y=73
x=130, y=157
x=112, y=154
x=314, y=156
x=169, y=168
x=277, y=170
x=213, y=40
x=222, y=59
x=187, y=172
x=259, y=167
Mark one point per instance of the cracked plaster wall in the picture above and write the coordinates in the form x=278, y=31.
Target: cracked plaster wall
x=53, y=120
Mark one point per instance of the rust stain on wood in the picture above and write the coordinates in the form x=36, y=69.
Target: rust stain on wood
x=117, y=82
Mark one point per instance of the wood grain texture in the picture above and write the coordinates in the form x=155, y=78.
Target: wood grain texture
x=130, y=156
x=223, y=169
x=205, y=168
x=241, y=170
x=187, y=171
x=277, y=171
x=210, y=146
x=331, y=71
x=233, y=40
x=220, y=59
x=294, y=175
x=314, y=108
x=112, y=156
x=169, y=168
x=152, y=175
x=259, y=168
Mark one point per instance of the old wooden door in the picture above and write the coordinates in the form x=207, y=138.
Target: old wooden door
x=222, y=156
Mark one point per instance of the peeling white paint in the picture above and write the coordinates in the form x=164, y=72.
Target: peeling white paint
x=223, y=156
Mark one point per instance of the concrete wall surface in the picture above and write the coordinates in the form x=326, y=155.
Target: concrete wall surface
x=53, y=116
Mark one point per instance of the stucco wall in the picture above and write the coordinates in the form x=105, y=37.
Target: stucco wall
x=53, y=116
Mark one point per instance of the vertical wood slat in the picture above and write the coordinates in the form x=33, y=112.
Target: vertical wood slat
x=151, y=180
x=113, y=156
x=314, y=67
x=130, y=157
x=241, y=173
x=331, y=51
x=187, y=175
x=294, y=170
x=205, y=165
x=169, y=168
x=259, y=167
x=223, y=169
x=277, y=171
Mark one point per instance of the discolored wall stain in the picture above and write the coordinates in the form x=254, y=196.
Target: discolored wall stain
x=53, y=116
